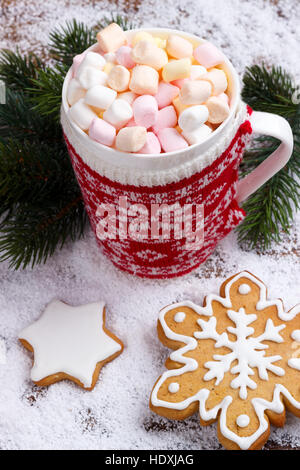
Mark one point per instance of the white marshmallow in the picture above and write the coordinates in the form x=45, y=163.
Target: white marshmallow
x=91, y=59
x=82, y=114
x=128, y=96
x=197, y=71
x=75, y=91
x=192, y=118
x=119, y=113
x=110, y=57
x=100, y=96
x=89, y=77
x=198, y=135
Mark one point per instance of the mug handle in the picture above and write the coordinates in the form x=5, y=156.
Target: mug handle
x=275, y=126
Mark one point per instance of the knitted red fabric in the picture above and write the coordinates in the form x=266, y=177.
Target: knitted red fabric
x=215, y=187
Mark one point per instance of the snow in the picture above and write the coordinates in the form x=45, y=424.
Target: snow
x=115, y=415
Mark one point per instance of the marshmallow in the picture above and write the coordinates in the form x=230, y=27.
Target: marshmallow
x=224, y=97
x=142, y=36
x=179, y=83
x=192, y=118
x=102, y=132
x=76, y=62
x=119, y=113
x=208, y=55
x=128, y=96
x=179, y=47
x=217, y=79
x=218, y=110
x=144, y=80
x=198, y=135
x=166, y=117
x=89, y=77
x=160, y=42
x=131, y=139
x=82, y=114
x=75, y=91
x=197, y=71
x=195, y=92
x=108, y=67
x=147, y=53
x=179, y=106
x=111, y=38
x=165, y=94
x=152, y=145
x=171, y=140
x=91, y=59
x=100, y=96
x=145, y=111
x=118, y=78
x=123, y=57
x=176, y=69
x=110, y=57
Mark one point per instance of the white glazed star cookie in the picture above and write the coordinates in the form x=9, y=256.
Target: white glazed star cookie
x=70, y=343
x=236, y=360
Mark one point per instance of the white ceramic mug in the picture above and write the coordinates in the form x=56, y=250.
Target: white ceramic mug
x=120, y=173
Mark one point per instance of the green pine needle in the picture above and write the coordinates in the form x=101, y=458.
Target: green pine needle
x=17, y=71
x=270, y=209
x=123, y=21
x=47, y=90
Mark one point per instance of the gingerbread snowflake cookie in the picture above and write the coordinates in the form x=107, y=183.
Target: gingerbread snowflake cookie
x=236, y=360
x=70, y=343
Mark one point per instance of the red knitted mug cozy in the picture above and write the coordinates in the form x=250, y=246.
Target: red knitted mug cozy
x=210, y=179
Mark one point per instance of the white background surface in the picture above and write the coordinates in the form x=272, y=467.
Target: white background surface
x=116, y=414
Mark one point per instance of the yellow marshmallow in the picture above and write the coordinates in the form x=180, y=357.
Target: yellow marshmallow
x=179, y=106
x=160, y=42
x=108, y=67
x=142, y=36
x=176, y=70
x=111, y=38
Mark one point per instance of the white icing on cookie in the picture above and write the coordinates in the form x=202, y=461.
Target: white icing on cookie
x=242, y=421
x=244, y=289
x=179, y=317
x=69, y=340
x=296, y=335
x=190, y=364
x=173, y=387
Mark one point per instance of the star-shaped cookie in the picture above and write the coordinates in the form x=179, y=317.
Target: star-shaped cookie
x=70, y=343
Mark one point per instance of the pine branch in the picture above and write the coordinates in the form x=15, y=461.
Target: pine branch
x=17, y=71
x=69, y=40
x=47, y=90
x=270, y=210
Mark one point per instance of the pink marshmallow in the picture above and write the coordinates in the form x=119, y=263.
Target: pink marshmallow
x=76, y=62
x=180, y=82
x=171, y=140
x=208, y=55
x=123, y=56
x=165, y=94
x=167, y=117
x=145, y=111
x=102, y=132
x=152, y=144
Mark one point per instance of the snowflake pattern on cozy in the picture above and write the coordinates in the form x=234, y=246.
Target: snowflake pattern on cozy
x=238, y=361
x=214, y=187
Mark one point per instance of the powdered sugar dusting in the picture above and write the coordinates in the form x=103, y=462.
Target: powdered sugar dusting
x=115, y=415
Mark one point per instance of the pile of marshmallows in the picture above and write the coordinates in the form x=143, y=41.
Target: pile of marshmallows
x=150, y=96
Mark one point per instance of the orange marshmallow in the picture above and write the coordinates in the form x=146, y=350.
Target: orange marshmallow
x=176, y=70
x=118, y=78
x=217, y=79
x=195, y=92
x=179, y=47
x=111, y=38
x=144, y=80
x=131, y=139
x=218, y=110
x=147, y=53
